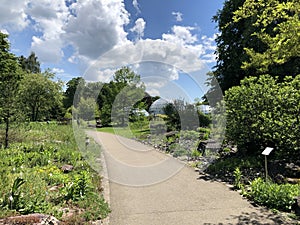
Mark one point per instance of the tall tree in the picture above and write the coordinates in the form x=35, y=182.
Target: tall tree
x=279, y=29
x=40, y=95
x=257, y=37
x=111, y=95
x=10, y=76
x=30, y=64
x=71, y=90
x=233, y=38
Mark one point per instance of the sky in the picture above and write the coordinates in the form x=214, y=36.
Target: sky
x=170, y=43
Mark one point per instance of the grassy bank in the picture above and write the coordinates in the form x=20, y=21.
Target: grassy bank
x=32, y=178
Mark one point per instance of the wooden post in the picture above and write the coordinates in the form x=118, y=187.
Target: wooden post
x=266, y=168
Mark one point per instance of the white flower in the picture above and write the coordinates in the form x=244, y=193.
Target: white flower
x=11, y=198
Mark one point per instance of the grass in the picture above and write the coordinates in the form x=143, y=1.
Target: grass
x=32, y=180
x=126, y=132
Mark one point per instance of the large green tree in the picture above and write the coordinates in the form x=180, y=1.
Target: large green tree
x=40, y=95
x=117, y=97
x=71, y=90
x=278, y=24
x=257, y=37
x=10, y=76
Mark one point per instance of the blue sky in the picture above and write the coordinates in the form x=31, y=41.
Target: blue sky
x=170, y=43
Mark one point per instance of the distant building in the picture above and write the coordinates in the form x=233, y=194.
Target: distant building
x=206, y=109
x=157, y=107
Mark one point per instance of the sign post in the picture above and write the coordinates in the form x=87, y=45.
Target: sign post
x=267, y=152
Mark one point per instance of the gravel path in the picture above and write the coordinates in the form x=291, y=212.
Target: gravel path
x=150, y=188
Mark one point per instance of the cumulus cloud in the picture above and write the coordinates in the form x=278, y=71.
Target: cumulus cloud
x=95, y=27
x=139, y=27
x=178, y=16
x=13, y=15
x=181, y=35
x=136, y=6
x=49, y=17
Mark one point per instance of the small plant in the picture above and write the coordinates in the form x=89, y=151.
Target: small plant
x=195, y=154
x=78, y=188
x=12, y=200
x=237, y=178
x=272, y=195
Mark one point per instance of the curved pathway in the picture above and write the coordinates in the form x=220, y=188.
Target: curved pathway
x=150, y=188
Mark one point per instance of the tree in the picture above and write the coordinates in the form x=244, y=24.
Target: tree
x=30, y=64
x=71, y=90
x=126, y=76
x=263, y=112
x=40, y=95
x=233, y=38
x=10, y=76
x=87, y=108
x=257, y=37
x=182, y=116
x=279, y=29
x=117, y=97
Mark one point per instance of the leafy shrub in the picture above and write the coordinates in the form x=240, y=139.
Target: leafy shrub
x=277, y=196
x=237, y=178
x=264, y=112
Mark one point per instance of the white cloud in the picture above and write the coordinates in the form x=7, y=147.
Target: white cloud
x=57, y=70
x=181, y=35
x=178, y=16
x=12, y=14
x=136, y=6
x=95, y=27
x=139, y=27
x=49, y=16
x=48, y=50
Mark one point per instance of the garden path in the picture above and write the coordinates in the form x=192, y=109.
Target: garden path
x=148, y=187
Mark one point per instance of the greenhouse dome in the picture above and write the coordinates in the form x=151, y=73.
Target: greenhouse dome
x=157, y=107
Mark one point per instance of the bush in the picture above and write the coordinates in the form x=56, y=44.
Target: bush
x=276, y=196
x=262, y=112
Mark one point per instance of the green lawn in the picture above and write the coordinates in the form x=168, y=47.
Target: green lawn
x=126, y=132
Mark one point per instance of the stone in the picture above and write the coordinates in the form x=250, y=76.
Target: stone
x=297, y=206
x=33, y=219
x=67, y=168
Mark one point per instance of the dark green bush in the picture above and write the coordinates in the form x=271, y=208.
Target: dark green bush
x=263, y=112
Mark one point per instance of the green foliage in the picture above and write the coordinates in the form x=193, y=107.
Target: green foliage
x=77, y=188
x=118, y=97
x=184, y=116
x=257, y=37
x=237, y=178
x=10, y=76
x=30, y=64
x=273, y=195
x=12, y=200
x=278, y=26
x=262, y=112
x=41, y=97
x=38, y=159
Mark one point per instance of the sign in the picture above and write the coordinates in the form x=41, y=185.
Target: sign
x=267, y=151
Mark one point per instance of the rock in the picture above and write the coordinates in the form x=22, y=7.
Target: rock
x=33, y=219
x=297, y=206
x=67, y=168
x=293, y=170
x=279, y=178
x=293, y=180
